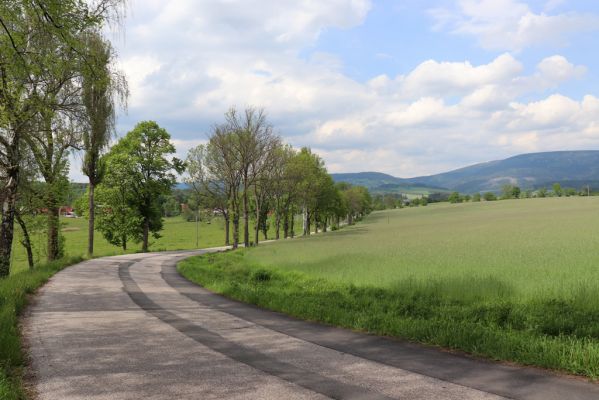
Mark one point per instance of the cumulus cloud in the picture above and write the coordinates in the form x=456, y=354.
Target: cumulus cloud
x=511, y=24
x=188, y=61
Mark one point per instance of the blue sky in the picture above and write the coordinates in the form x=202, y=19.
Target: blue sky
x=396, y=36
x=405, y=87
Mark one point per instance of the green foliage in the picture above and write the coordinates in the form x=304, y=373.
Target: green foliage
x=570, y=192
x=557, y=189
x=542, y=192
x=117, y=219
x=171, y=207
x=455, y=197
x=510, y=192
x=510, y=280
x=489, y=196
x=139, y=171
x=476, y=197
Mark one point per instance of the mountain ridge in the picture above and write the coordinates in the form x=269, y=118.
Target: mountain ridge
x=575, y=168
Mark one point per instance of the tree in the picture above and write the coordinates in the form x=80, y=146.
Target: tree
x=39, y=42
x=223, y=164
x=510, y=192
x=516, y=192
x=476, y=197
x=358, y=202
x=282, y=187
x=308, y=168
x=29, y=202
x=455, y=197
x=208, y=189
x=118, y=219
x=51, y=140
x=542, y=192
x=569, y=192
x=143, y=154
x=100, y=88
x=490, y=196
x=507, y=192
x=263, y=170
x=252, y=145
x=557, y=189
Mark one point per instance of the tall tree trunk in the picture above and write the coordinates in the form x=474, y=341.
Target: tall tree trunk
x=246, y=220
x=324, y=225
x=257, y=227
x=292, y=221
x=53, y=223
x=227, y=223
x=264, y=223
x=124, y=241
x=235, y=230
x=26, y=242
x=92, y=219
x=8, y=220
x=146, y=235
x=286, y=225
x=277, y=225
x=307, y=223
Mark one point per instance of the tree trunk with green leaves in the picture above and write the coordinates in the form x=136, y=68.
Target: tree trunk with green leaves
x=100, y=89
x=26, y=242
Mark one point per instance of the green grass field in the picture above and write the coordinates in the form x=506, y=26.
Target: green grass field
x=512, y=280
x=177, y=235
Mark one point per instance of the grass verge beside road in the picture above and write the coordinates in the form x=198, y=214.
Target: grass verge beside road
x=500, y=331
x=14, y=292
x=512, y=280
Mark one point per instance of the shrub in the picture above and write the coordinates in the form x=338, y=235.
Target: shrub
x=490, y=196
x=455, y=198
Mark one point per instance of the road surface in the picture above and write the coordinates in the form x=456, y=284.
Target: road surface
x=130, y=327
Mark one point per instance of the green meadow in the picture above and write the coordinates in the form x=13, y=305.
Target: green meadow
x=177, y=234
x=514, y=280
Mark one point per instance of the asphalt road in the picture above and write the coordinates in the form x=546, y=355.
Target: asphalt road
x=129, y=327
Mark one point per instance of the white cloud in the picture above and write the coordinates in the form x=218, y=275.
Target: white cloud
x=187, y=67
x=456, y=78
x=511, y=24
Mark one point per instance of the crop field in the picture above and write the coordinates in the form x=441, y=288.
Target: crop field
x=513, y=280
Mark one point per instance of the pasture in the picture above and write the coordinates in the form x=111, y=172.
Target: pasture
x=177, y=234
x=513, y=280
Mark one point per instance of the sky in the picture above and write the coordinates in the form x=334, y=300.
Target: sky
x=405, y=87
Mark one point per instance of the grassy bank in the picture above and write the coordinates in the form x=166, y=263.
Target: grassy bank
x=13, y=298
x=511, y=280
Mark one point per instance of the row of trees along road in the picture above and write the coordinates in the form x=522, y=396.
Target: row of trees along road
x=58, y=90
x=245, y=169
x=244, y=172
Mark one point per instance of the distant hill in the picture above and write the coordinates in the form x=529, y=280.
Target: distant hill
x=529, y=171
x=377, y=182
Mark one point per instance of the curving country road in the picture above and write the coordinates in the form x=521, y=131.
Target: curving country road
x=129, y=327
